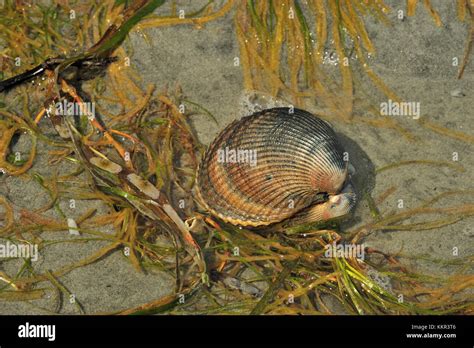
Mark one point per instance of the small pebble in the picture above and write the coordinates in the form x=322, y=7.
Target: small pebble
x=457, y=93
x=72, y=227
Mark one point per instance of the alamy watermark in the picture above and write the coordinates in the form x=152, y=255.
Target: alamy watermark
x=229, y=155
x=394, y=108
x=67, y=108
x=12, y=250
x=28, y=330
x=344, y=250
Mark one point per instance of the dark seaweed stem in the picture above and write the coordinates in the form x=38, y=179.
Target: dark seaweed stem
x=87, y=67
x=97, y=55
x=7, y=84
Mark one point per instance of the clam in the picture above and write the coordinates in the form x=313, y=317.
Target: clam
x=274, y=165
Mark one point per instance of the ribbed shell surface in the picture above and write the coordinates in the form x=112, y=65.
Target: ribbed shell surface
x=286, y=159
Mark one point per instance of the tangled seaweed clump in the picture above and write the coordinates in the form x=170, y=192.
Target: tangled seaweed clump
x=138, y=155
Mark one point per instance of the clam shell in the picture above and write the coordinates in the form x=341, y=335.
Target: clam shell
x=144, y=186
x=106, y=165
x=268, y=166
